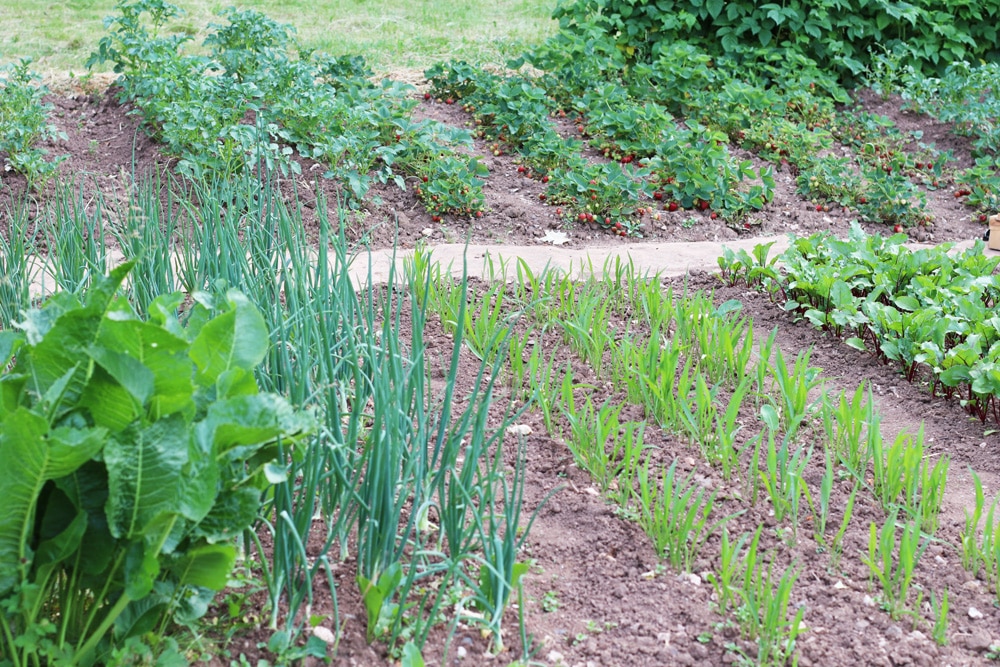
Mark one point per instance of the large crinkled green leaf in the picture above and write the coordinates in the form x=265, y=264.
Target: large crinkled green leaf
x=163, y=354
x=235, y=427
x=237, y=338
x=127, y=370
x=109, y=403
x=200, y=485
x=87, y=489
x=102, y=291
x=163, y=312
x=142, y=567
x=9, y=342
x=145, y=472
x=232, y=512
x=208, y=566
x=60, y=334
x=31, y=455
x=37, y=322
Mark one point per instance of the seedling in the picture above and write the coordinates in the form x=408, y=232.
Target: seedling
x=891, y=565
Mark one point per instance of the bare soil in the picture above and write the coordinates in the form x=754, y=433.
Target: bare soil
x=614, y=605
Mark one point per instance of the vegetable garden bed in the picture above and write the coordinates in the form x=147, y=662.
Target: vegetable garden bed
x=533, y=467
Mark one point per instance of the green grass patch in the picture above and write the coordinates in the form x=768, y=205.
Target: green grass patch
x=391, y=34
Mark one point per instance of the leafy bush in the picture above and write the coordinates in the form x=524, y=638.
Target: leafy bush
x=24, y=122
x=837, y=35
x=133, y=453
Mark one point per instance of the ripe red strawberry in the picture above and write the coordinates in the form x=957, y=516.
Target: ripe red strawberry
x=657, y=195
x=672, y=206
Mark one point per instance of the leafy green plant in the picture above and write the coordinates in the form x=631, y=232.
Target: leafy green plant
x=891, y=198
x=782, y=475
x=762, y=612
x=903, y=476
x=675, y=514
x=24, y=123
x=452, y=185
x=726, y=576
x=795, y=387
x=830, y=178
x=891, y=564
x=135, y=451
x=939, y=605
x=824, y=37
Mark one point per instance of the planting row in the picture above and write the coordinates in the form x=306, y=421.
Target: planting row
x=666, y=127
x=252, y=104
x=929, y=310
x=697, y=372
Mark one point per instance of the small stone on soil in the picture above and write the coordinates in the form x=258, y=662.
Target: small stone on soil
x=977, y=640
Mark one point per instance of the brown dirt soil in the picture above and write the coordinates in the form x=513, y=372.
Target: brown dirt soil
x=615, y=606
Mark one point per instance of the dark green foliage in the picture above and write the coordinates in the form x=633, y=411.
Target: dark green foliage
x=838, y=35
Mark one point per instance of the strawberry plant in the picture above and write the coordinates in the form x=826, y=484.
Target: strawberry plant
x=604, y=194
x=891, y=198
x=695, y=170
x=134, y=452
x=779, y=140
x=633, y=131
x=830, y=178
x=457, y=80
x=980, y=185
x=451, y=185
x=24, y=122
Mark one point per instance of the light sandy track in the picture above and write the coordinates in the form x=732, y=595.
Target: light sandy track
x=668, y=259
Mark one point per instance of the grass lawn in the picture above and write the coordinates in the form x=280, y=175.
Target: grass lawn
x=391, y=34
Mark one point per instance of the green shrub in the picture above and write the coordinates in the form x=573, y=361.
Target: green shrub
x=837, y=34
